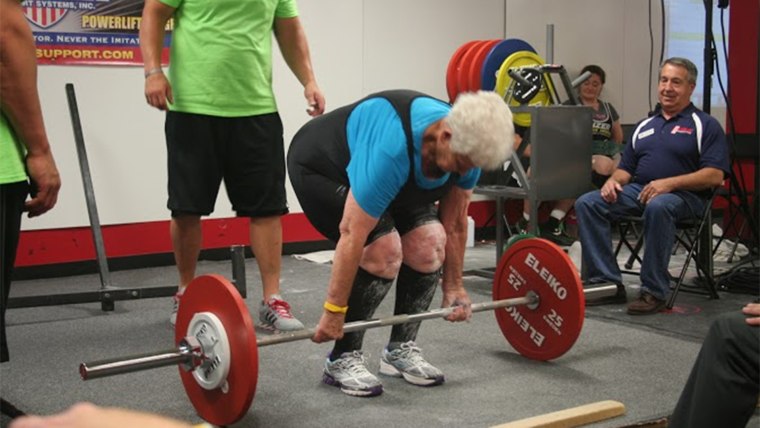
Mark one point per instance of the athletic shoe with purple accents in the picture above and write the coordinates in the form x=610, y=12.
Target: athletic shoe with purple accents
x=349, y=373
x=406, y=361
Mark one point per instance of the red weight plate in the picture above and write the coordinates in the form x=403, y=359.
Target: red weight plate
x=213, y=293
x=551, y=329
x=453, y=69
x=463, y=71
x=476, y=65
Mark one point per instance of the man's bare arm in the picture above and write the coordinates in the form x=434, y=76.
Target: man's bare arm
x=20, y=102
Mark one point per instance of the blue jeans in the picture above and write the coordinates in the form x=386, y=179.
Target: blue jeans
x=595, y=216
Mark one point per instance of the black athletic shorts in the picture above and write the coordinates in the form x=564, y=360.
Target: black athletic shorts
x=322, y=200
x=246, y=152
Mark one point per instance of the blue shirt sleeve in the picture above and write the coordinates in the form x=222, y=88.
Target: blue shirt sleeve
x=469, y=180
x=714, y=147
x=379, y=165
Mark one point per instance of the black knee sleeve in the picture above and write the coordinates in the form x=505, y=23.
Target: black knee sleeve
x=414, y=292
x=367, y=293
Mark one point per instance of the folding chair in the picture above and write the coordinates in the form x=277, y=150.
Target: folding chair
x=730, y=224
x=694, y=234
x=630, y=225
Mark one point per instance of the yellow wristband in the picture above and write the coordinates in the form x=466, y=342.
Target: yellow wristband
x=335, y=308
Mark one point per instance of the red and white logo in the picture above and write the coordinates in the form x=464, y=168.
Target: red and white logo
x=44, y=17
x=681, y=130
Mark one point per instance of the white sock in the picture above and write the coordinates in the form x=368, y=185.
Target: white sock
x=526, y=216
x=558, y=214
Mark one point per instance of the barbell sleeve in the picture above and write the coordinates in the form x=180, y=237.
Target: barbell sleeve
x=186, y=354
x=103, y=368
x=608, y=289
x=517, y=77
x=580, y=79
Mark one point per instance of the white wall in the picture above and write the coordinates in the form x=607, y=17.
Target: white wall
x=125, y=146
x=357, y=47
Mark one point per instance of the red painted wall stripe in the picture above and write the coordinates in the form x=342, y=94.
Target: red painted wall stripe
x=43, y=247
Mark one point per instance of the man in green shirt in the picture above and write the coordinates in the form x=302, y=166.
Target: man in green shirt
x=222, y=123
x=26, y=162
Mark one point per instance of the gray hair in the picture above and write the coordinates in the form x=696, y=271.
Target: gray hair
x=482, y=129
x=691, y=69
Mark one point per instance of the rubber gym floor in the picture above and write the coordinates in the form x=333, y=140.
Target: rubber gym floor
x=642, y=362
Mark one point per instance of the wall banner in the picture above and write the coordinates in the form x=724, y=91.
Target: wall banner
x=85, y=32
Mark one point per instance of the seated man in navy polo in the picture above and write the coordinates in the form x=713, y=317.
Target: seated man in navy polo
x=676, y=156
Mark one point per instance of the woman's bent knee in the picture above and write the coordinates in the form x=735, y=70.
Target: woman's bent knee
x=383, y=256
x=424, y=248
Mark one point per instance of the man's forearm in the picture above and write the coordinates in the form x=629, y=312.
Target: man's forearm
x=621, y=176
x=152, y=33
x=705, y=178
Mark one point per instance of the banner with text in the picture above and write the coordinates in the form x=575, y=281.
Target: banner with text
x=106, y=32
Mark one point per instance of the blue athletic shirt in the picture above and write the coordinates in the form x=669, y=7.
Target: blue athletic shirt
x=687, y=142
x=379, y=165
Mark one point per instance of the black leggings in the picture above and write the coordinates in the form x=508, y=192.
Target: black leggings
x=12, y=197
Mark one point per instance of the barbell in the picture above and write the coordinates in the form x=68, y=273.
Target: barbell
x=539, y=302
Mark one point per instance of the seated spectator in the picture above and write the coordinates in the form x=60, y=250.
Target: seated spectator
x=606, y=131
x=667, y=171
x=607, y=136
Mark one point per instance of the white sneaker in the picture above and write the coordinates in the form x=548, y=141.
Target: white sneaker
x=406, y=361
x=350, y=374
